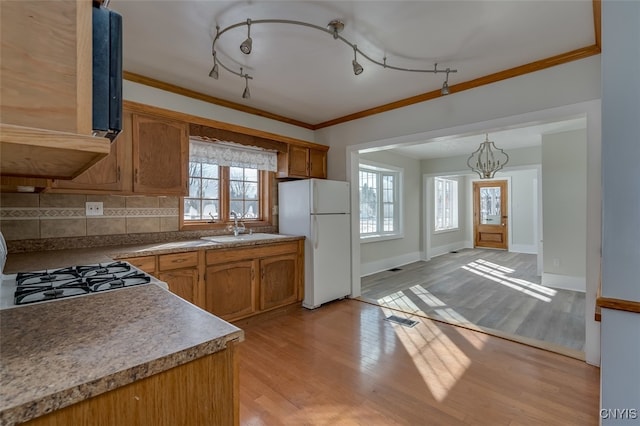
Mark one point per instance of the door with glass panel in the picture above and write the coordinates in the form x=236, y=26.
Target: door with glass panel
x=490, y=217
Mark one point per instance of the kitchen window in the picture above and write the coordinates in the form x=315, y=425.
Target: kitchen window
x=380, y=202
x=446, y=204
x=226, y=178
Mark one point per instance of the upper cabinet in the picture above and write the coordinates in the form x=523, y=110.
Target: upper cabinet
x=303, y=162
x=148, y=158
x=46, y=89
x=160, y=155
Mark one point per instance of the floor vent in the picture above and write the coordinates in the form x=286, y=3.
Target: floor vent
x=402, y=321
x=454, y=252
x=394, y=269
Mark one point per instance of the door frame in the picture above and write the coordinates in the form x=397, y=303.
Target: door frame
x=475, y=208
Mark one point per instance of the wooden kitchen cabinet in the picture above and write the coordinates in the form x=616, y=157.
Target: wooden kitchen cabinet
x=234, y=288
x=144, y=263
x=160, y=155
x=181, y=273
x=46, y=90
x=278, y=281
x=149, y=157
x=107, y=174
x=303, y=162
x=230, y=289
x=201, y=392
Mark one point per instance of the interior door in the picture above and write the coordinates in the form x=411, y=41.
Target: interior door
x=490, y=214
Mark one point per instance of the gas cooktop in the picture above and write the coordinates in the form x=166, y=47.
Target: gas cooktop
x=42, y=286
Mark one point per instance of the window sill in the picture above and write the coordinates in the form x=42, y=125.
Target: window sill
x=378, y=238
x=444, y=231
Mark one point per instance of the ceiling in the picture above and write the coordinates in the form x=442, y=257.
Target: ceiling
x=525, y=136
x=305, y=75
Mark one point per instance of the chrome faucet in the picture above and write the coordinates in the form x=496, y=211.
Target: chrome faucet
x=237, y=229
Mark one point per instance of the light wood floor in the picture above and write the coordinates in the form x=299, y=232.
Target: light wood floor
x=343, y=364
x=492, y=290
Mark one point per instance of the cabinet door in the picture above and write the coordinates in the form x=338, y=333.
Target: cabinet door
x=278, y=281
x=105, y=175
x=160, y=155
x=317, y=164
x=182, y=282
x=298, y=161
x=144, y=263
x=230, y=289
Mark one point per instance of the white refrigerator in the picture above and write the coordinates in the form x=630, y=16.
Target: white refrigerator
x=319, y=210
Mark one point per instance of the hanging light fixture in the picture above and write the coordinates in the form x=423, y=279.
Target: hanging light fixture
x=334, y=28
x=487, y=159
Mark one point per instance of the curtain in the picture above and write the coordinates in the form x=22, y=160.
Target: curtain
x=232, y=154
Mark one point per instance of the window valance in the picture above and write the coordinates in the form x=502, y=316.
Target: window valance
x=232, y=154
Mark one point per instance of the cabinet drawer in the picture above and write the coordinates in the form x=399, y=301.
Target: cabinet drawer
x=167, y=262
x=146, y=263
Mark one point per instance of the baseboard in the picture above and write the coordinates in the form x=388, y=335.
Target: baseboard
x=374, y=267
x=524, y=248
x=564, y=282
x=448, y=248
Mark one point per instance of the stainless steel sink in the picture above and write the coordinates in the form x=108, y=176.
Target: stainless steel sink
x=243, y=237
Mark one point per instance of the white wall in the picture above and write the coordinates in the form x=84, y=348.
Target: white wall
x=524, y=215
x=566, y=84
x=382, y=255
x=620, y=371
x=564, y=205
x=151, y=96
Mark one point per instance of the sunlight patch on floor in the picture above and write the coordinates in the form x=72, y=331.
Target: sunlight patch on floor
x=438, y=360
x=481, y=268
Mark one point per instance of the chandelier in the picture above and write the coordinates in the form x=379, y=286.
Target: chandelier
x=334, y=28
x=487, y=159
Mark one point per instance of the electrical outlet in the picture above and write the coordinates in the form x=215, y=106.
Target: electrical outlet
x=556, y=262
x=94, y=208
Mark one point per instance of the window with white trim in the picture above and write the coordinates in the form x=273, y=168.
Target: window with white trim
x=225, y=178
x=446, y=204
x=380, y=201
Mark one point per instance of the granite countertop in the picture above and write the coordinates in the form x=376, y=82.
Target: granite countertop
x=33, y=261
x=59, y=353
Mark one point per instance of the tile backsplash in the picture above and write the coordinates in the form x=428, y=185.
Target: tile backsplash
x=36, y=216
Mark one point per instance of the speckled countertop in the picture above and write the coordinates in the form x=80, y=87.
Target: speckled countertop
x=58, y=353
x=18, y=262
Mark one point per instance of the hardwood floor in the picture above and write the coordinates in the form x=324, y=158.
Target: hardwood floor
x=343, y=364
x=492, y=290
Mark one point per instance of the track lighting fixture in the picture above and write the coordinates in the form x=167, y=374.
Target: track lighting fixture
x=246, y=94
x=445, y=86
x=214, y=71
x=357, y=68
x=245, y=46
x=334, y=28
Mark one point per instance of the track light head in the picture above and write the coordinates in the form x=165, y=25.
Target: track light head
x=246, y=94
x=445, y=89
x=245, y=46
x=445, y=86
x=214, y=72
x=357, y=68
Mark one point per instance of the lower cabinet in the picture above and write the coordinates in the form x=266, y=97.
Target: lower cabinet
x=201, y=392
x=181, y=273
x=230, y=289
x=278, y=281
x=241, y=282
x=233, y=283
